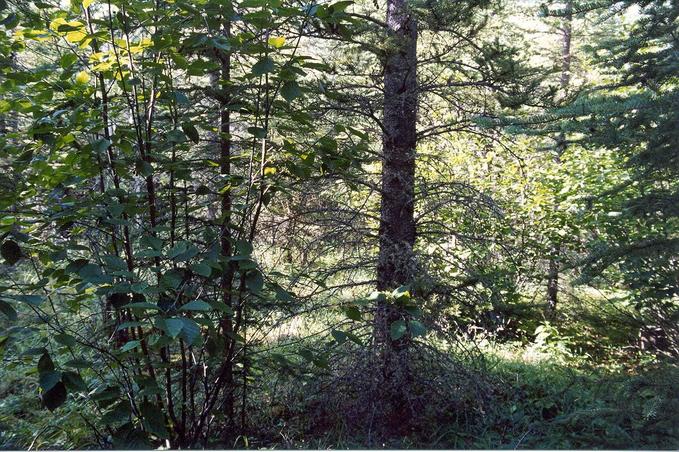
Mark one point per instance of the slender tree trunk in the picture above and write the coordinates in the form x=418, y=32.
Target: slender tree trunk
x=225, y=230
x=396, y=262
x=554, y=262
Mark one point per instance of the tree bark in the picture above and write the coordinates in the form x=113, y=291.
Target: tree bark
x=396, y=261
x=554, y=261
x=225, y=232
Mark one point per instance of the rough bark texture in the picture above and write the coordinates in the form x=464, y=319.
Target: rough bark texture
x=554, y=262
x=225, y=232
x=397, y=226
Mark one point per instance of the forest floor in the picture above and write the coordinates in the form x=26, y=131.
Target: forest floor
x=572, y=386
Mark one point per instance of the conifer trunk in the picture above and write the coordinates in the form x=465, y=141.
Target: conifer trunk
x=397, y=225
x=554, y=261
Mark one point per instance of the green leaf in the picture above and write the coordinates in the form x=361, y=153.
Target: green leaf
x=45, y=363
x=11, y=21
x=10, y=251
x=90, y=273
x=284, y=295
x=401, y=294
x=154, y=419
x=290, y=91
x=353, y=338
x=182, y=251
x=33, y=300
x=151, y=242
x=353, y=313
x=263, y=66
x=67, y=60
x=254, y=281
x=125, y=325
x=196, y=305
x=243, y=247
x=49, y=379
x=339, y=336
x=8, y=310
x=55, y=397
x=257, y=132
x=78, y=364
x=202, y=269
x=191, y=132
x=65, y=339
x=416, y=328
x=172, y=326
x=101, y=145
x=397, y=330
x=73, y=381
x=176, y=136
x=190, y=331
x=306, y=354
x=131, y=345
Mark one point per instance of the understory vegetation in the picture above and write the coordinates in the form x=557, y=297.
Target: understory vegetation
x=339, y=224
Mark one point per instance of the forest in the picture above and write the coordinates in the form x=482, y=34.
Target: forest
x=339, y=224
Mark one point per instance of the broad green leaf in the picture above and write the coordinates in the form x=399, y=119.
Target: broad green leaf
x=353, y=313
x=92, y=273
x=397, y=330
x=196, y=305
x=33, y=300
x=45, y=363
x=257, y=132
x=8, y=310
x=182, y=251
x=176, y=136
x=49, y=379
x=126, y=325
x=254, y=281
x=101, y=145
x=339, y=336
x=202, y=269
x=290, y=90
x=78, y=364
x=284, y=295
x=263, y=66
x=154, y=419
x=401, y=294
x=172, y=326
x=151, y=242
x=190, y=331
x=130, y=346
x=73, y=381
x=416, y=328
x=181, y=98
x=191, y=132
x=65, y=339
x=243, y=247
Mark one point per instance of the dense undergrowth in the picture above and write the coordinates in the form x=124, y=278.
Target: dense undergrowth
x=570, y=384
